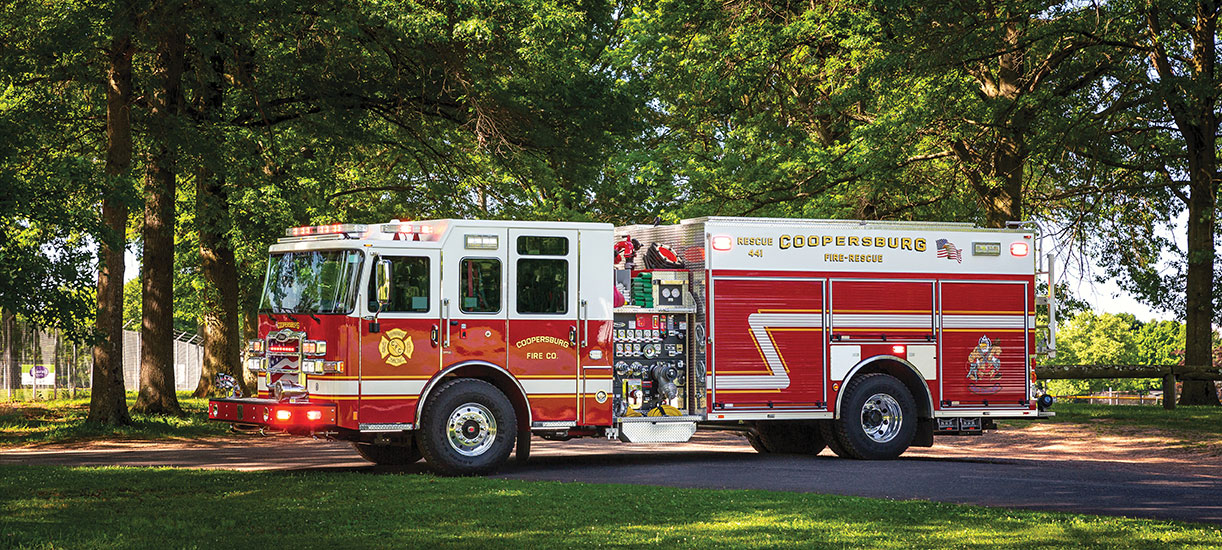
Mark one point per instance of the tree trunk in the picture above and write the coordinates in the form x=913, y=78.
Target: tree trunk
x=1199, y=127
x=157, y=329
x=995, y=170
x=1199, y=314
x=217, y=263
x=108, y=397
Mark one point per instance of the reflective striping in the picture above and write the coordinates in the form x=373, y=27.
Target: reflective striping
x=392, y=387
x=597, y=385
x=550, y=386
x=333, y=387
x=841, y=320
x=984, y=321
x=759, y=324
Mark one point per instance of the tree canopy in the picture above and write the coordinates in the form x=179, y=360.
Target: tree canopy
x=1096, y=120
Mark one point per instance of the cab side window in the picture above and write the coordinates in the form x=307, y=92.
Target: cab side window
x=480, y=286
x=543, y=283
x=409, y=286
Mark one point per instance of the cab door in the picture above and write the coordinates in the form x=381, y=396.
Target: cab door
x=543, y=321
x=402, y=351
x=474, y=293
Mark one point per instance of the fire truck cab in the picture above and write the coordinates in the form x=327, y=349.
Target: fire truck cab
x=456, y=340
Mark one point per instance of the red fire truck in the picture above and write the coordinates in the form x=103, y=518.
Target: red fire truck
x=456, y=340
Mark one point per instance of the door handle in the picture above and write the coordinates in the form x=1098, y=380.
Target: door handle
x=435, y=335
x=445, y=318
x=573, y=334
x=585, y=323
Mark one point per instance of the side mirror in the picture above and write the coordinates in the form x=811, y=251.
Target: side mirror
x=382, y=277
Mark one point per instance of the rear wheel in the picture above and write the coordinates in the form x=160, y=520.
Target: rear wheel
x=467, y=427
x=878, y=418
x=389, y=455
x=799, y=437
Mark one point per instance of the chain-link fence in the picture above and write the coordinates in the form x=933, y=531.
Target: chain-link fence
x=38, y=364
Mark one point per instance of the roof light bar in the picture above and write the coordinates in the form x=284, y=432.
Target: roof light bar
x=335, y=228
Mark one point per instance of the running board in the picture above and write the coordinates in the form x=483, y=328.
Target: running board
x=656, y=431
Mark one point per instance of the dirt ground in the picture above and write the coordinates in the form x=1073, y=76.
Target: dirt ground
x=1039, y=442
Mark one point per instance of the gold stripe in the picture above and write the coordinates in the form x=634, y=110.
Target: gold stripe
x=900, y=311
x=984, y=330
x=398, y=377
x=336, y=397
x=885, y=329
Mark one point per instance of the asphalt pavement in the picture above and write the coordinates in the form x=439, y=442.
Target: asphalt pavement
x=724, y=461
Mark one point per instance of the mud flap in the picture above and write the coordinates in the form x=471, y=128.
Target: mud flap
x=924, y=433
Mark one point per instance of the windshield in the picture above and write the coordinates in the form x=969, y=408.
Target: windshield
x=322, y=281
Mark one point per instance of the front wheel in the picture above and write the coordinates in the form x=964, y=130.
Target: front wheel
x=467, y=427
x=878, y=419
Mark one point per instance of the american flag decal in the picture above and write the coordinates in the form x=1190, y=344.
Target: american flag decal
x=947, y=249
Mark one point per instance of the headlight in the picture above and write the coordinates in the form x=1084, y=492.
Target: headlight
x=254, y=364
x=311, y=366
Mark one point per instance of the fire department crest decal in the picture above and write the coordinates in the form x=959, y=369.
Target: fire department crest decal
x=984, y=367
x=396, y=347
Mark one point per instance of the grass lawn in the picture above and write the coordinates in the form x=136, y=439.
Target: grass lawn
x=54, y=507
x=63, y=420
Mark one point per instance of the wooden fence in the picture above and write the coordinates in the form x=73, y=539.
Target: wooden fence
x=1168, y=373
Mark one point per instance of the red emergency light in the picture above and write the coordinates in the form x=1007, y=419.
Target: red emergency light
x=722, y=242
x=1019, y=248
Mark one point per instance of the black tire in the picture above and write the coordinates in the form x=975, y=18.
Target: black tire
x=881, y=405
x=482, y=442
x=799, y=437
x=388, y=455
x=828, y=429
x=757, y=444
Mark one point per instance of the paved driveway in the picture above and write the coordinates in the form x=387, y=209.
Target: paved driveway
x=1164, y=490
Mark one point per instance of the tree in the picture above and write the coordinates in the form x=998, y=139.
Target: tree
x=1157, y=127
x=1160, y=343
x=108, y=397
x=156, y=394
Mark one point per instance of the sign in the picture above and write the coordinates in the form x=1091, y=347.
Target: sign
x=42, y=375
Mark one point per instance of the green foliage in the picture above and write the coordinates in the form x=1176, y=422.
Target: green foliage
x=111, y=507
x=48, y=178
x=1091, y=338
x=1160, y=343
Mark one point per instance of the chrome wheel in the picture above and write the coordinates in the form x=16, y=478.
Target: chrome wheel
x=471, y=429
x=881, y=417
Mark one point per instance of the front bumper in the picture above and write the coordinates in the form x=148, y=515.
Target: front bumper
x=291, y=417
